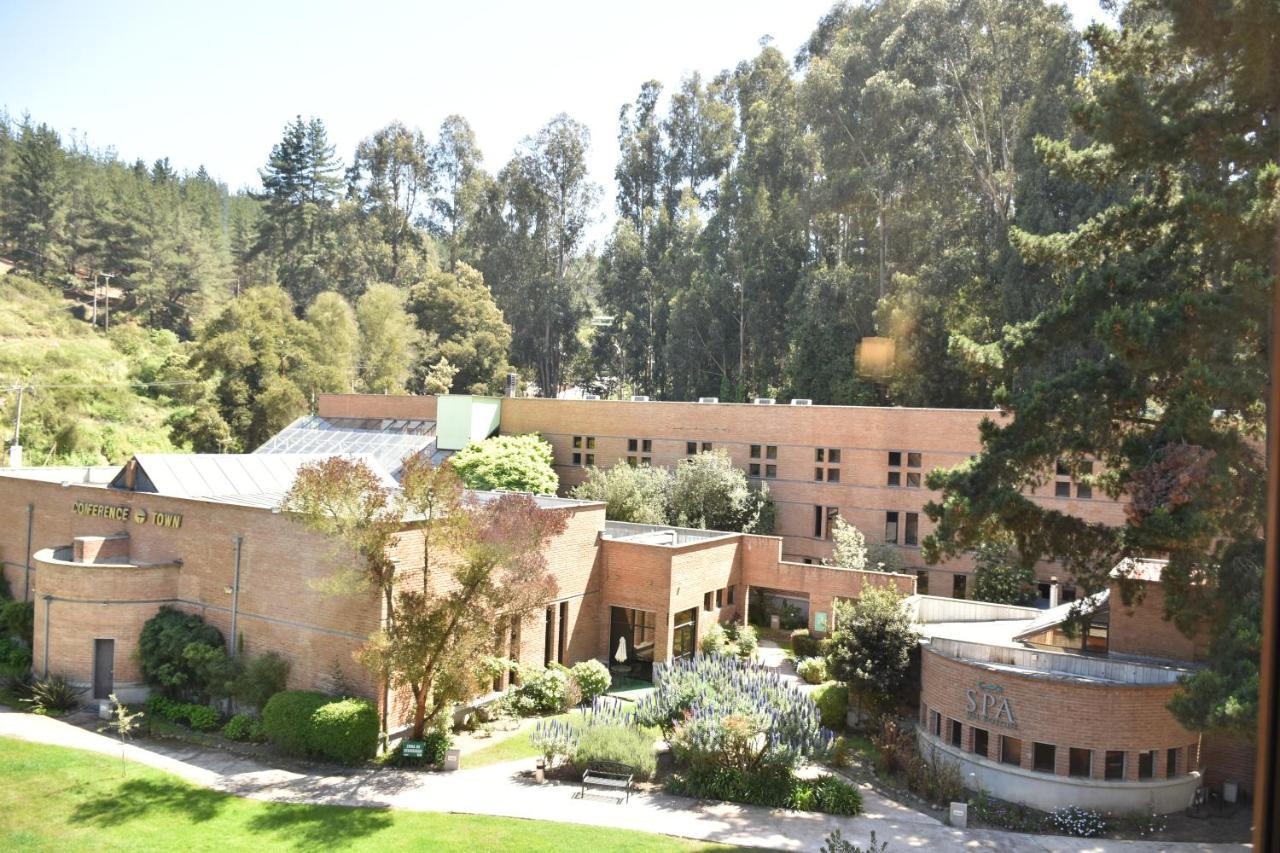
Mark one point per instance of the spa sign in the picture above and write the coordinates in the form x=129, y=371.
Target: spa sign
x=117, y=512
x=988, y=704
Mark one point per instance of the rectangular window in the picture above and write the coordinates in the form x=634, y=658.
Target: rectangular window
x=1084, y=491
x=549, y=633
x=690, y=448
x=719, y=598
x=1147, y=764
x=1171, y=762
x=591, y=442
x=1096, y=639
x=980, y=742
x=1061, y=469
x=959, y=586
x=895, y=458
x=755, y=451
x=684, y=637
x=922, y=581
x=913, y=460
x=1010, y=750
x=753, y=470
x=1068, y=593
x=706, y=601
x=833, y=475
x=577, y=441
x=833, y=455
x=937, y=724
x=1044, y=757
x=817, y=474
x=563, y=653
x=819, y=454
x=891, y=528
x=832, y=512
x=771, y=451
x=646, y=460
x=911, y=533
x=730, y=596
x=1080, y=762
x=818, y=516
x=1062, y=489
x=913, y=480
x=957, y=734
x=591, y=459
x=770, y=471
x=633, y=445
x=895, y=478
x=706, y=447
x=1113, y=769
x=646, y=445
x=632, y=461
x=577, y=459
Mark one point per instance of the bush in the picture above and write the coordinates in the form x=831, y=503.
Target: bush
x=832, y=700
x=592, y=678
x=813, y=671
x=241, y=727
x=826, y=794
x=18, y=620
x=625, y=744
x=436, y=747
x=730, y=638
x=744, y=637
x=53, y=695
x=15, y=661
x=771, y=787
x=935, y=778
x=262, y=677
x=202, y=718
x=345, y=730
x=895, y=745
x=163, y=658
x=803, y=643
x=286, y=719
x=715, y=641
x=544, y=691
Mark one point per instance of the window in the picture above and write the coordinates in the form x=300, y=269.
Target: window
x=1068, y=593
x=690, y=448
x=577, y=459
x=706, y=601
x=1061, y=469
x=755, y=451
x=922, y=581
x=591, y=442
x=684, y=637
x=548, y=639
x=646, y=460
x=891, y=528
x=937, y=724
x=770, y=472
x=833, y=475
x=771, y=451
x=1044, y=757
x=959, y=586
x=1084, y=491
x=1010, y=750
x=895, y=459
x=646, y=445
x=1113, y=768
x=1147, y=764
x=729, y=590
x=591, y=459
x=577, y=442
x=753, y=470
x=833, y=455
x=1171, y=762
x=957, y=733
x=913, y=460
x=1080, y=762
x=719, y=598
x=632, y=632
x=1062, y=489
x=980, y=742
x=819, y=454
x=817, y=521
x=633, y=444
x=817, y=474
x=1096, y=639
x=911, y=533
x=913, y=480
x=562, y=654
x=832, y=512
x=632, y=461
x=895, y=478
x=706, y=447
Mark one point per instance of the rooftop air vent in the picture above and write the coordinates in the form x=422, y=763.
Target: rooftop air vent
x=764, y=401
x=639, y=398
x=591, y=396
x=801, y=401
x=708, y=399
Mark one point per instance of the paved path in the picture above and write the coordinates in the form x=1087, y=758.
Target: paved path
x=496, y=790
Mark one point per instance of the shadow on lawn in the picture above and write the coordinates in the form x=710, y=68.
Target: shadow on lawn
x=318, y=827
x=137, y=799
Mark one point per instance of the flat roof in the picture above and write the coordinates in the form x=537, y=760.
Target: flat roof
x=660, y=534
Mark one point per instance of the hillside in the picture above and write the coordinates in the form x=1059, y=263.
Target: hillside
x=79, y=408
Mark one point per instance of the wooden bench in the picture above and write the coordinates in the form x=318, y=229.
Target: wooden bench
x=610, y=775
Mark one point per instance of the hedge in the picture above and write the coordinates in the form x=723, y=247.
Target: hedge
x=345, y=731
x=832, y=700
x=286, y=719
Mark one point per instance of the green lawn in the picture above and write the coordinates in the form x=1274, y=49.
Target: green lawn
x=53, y=798
x=511, y=747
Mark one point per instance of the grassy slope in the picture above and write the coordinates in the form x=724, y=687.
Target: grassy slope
x=41, y=342
x=64, y=799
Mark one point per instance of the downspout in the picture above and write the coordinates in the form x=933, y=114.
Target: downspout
x=48, y=604
x=26, y=578
x=235, y=596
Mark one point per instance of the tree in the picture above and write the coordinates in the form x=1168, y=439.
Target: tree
x=338, y=336
x=510, y=463
x=461, y=323
x=849, y=546
x=709, y=492
x=35, y=196
x=388, y=340
x=392, y=180
x=638, y=494
x=1146, y=375
x=871, y=644
x=460, y=181
x=1001, y=576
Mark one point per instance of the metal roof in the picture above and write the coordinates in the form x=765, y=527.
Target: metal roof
x=390, y=441
x=233, y=477
x=1055, y=616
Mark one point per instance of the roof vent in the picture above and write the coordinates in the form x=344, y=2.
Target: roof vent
x=708, y=399
x=591, y=396
x=802, y=401
x=764, y=401
x=639, y=398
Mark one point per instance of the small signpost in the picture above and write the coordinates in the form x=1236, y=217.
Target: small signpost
x=414, y=749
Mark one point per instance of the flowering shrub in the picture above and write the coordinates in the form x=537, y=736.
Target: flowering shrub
x=1082, y=823
x=732, y=639
x=592, y=679
x=812, y=670
x=544, y=691
x=720, y=711
x=607, y=732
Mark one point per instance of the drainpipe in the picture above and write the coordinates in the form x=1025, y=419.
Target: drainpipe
x=26, y=578
x=48, y=603
x=235, y=595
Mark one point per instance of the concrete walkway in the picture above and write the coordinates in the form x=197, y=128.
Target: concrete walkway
x=496, y=790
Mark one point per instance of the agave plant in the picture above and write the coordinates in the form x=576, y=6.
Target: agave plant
x=53, y=695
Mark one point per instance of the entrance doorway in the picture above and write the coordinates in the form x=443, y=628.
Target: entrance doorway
x=104, y=668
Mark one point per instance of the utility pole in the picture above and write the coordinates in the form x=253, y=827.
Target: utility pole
x=106, y=294
x=15, y=449
x=96, y=276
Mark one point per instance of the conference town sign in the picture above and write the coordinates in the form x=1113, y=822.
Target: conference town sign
x=120, y=512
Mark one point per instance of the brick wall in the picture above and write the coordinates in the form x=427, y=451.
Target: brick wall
x=1142, y=630
x=376, y=406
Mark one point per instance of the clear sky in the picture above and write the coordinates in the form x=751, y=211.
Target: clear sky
x=214, y=83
